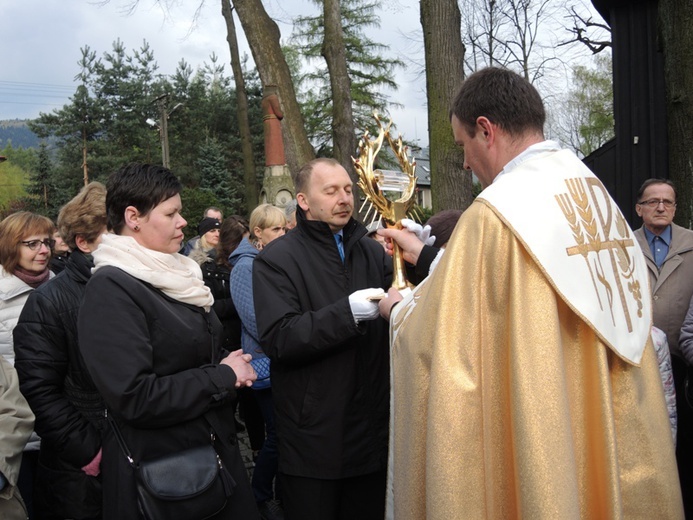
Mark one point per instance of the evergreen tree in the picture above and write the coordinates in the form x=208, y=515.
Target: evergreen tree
x=369, y=70
x=44, y=195
x=215, y=177
x=107, y=116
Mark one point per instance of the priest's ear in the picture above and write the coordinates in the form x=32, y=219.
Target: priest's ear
x=487, y=128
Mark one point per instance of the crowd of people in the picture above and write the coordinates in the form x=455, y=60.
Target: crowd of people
x=539, y=367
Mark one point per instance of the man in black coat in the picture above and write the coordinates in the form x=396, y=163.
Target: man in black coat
x=330, y=362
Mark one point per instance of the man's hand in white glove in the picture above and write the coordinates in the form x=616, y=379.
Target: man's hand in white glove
x=422, y=233
x=364, y=304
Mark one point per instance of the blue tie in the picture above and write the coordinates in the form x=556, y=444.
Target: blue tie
x=340, y=245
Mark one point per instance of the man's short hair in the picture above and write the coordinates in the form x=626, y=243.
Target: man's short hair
x=290, y=209
x=303, y=176
x=213, y=208
x=650, y=182
x=504, y=97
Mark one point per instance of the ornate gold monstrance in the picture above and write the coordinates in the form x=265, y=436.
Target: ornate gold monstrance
x=389, y=194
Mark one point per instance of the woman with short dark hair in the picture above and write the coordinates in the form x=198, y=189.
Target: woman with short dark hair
x=152, y=344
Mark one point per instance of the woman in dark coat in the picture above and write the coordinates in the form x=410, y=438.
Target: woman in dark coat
x=68, y=408
x=152, y=343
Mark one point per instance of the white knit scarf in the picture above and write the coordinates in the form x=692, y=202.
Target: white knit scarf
x=174, y=274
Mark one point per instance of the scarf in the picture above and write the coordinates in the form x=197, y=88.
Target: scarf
x=31, y=278
x=175, y=275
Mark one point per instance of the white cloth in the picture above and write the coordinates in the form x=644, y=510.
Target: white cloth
x=583, y=235
x=175, y=275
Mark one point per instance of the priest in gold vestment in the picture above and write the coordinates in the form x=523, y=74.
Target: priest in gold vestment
x=524, y=382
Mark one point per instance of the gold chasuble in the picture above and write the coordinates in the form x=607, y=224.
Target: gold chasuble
x=524, y=382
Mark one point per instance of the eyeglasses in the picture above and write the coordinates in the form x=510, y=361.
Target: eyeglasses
x=36, y=244
x=653, y=203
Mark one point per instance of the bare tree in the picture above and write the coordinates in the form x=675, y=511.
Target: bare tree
x=483, y=23
x=593, y=34
x=509, y=33
x=525, y=51
x=249, y=176
x=451, y=185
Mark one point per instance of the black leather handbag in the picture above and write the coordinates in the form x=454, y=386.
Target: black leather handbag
x=189, y=484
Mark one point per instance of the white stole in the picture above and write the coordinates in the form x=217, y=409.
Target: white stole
x=570, y=225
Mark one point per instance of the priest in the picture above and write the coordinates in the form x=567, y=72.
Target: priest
x=524, y=381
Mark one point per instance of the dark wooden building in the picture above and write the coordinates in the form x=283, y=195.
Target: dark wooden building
x=639, y=150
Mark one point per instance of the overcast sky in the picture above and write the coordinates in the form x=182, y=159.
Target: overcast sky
x=40, y=43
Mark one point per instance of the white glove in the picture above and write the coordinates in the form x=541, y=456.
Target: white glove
x=422, y=233
x=364, y=304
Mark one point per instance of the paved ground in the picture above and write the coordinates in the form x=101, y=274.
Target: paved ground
x=246, y=452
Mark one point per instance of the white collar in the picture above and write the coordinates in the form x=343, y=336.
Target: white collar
x=528, y=153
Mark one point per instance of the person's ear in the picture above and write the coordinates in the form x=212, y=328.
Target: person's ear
x=82, y=244
x=132, y=218
x=486, y=128
x=302, y=201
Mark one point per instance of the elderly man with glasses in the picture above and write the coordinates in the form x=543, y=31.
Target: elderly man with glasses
x=668, y=250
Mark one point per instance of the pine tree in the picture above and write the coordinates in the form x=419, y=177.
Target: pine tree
x=215, y=177
x=44, y=195
x=369, y=70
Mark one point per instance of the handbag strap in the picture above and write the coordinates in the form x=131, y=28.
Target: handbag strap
x=211, y=419
x=119, y=437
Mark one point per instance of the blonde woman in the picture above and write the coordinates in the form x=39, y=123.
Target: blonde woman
x=267, y=223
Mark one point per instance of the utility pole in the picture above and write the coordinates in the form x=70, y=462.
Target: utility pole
x=84, y=154
x=161, y=102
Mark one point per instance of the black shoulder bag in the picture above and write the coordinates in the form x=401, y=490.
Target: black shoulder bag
x=191, y=483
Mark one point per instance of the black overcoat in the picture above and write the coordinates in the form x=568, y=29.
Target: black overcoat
x=154, y=359
x=330, y=376
x=55, y=382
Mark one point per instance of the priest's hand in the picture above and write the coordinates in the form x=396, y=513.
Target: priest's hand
x=388, y=303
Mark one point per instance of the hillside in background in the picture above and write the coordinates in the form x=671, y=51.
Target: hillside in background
x=17, y=132
x=13, y=181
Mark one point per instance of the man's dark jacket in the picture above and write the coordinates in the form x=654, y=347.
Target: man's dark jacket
x=330, y=376
x=55, y=382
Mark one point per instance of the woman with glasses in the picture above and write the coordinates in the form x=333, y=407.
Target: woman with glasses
x=52, y=375
x=25, y=251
